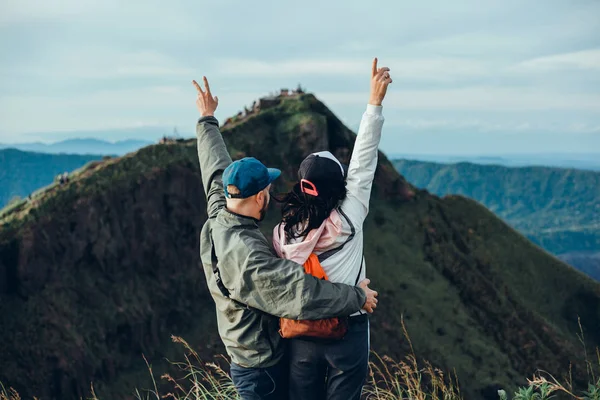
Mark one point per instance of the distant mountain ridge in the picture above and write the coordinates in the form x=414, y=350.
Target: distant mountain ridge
x=559, y=209
x=22, y=173
x=589, y=161
x=81, y=146
x=588, y=263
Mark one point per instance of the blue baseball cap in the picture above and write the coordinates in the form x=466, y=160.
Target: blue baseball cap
x=249, y=175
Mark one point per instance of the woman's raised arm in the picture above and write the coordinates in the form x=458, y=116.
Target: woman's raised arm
x=364, y=156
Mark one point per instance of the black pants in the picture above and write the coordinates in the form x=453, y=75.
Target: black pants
x=261, y=383
x=333, y=369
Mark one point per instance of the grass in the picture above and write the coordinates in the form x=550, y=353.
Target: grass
x=387, y=380
x=390, y=380
x=408, y=379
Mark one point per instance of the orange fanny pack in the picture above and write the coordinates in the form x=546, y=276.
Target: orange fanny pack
x=331, y=328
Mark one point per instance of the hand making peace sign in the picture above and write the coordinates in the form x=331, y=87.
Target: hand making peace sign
x=206, y=103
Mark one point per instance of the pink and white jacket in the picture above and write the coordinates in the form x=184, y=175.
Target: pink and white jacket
x=346, y=226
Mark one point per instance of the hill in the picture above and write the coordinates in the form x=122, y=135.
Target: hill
x=81, y=146
x=588, y=263
x=106, y=268
x=559, y=209
x=588, y=161
x=22, y=173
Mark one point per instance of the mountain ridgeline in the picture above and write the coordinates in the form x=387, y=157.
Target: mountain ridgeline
x=559, y=209
x=84, y=146
x=22, y=173
x=104, y=269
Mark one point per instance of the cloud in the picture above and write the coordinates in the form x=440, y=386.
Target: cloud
x=250, y=67
x=436, y=69
x=18, y=11
x=99, y=62
x=139, y=64
x=515, y=126
x=174, y=105
x=579, y=60
x=475, y=98
x=162, y=105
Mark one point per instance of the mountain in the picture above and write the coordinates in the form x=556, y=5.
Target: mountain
x=588, y=263
x=81, y=146
x=589, y=161
x=22, y=173
x=559, y=209
x=104, y=269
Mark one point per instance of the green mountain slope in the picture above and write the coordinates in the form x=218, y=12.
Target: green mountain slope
x=21, y=173
x=588, y=263
x=103, y=270
x=557, y=208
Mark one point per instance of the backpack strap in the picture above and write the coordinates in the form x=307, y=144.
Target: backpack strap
x=358, y=277
x=215, y=268
x=324, y=256
x=362, y=261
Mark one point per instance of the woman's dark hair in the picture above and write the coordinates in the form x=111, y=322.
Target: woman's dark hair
x=302, y=213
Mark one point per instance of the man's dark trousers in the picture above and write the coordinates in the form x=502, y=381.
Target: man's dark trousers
x=261, y=383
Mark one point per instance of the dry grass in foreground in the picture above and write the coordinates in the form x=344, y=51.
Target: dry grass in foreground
x=387, y=380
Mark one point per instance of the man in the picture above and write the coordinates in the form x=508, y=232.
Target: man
x=251, y=287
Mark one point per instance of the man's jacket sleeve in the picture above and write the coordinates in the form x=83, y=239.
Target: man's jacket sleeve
x=281, y=288
x=214, y=158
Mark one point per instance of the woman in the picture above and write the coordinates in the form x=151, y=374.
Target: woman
x=324, y=215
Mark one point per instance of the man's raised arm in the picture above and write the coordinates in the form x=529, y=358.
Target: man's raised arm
x=212, y=152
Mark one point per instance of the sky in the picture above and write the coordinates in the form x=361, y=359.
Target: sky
x=470, y=77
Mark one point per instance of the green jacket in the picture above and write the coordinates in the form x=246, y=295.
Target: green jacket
x=262, y=287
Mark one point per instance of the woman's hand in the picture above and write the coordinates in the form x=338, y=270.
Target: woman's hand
x=206, y=103
x=380, y=79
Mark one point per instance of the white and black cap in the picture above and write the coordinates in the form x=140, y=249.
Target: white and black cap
x=319, y=171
